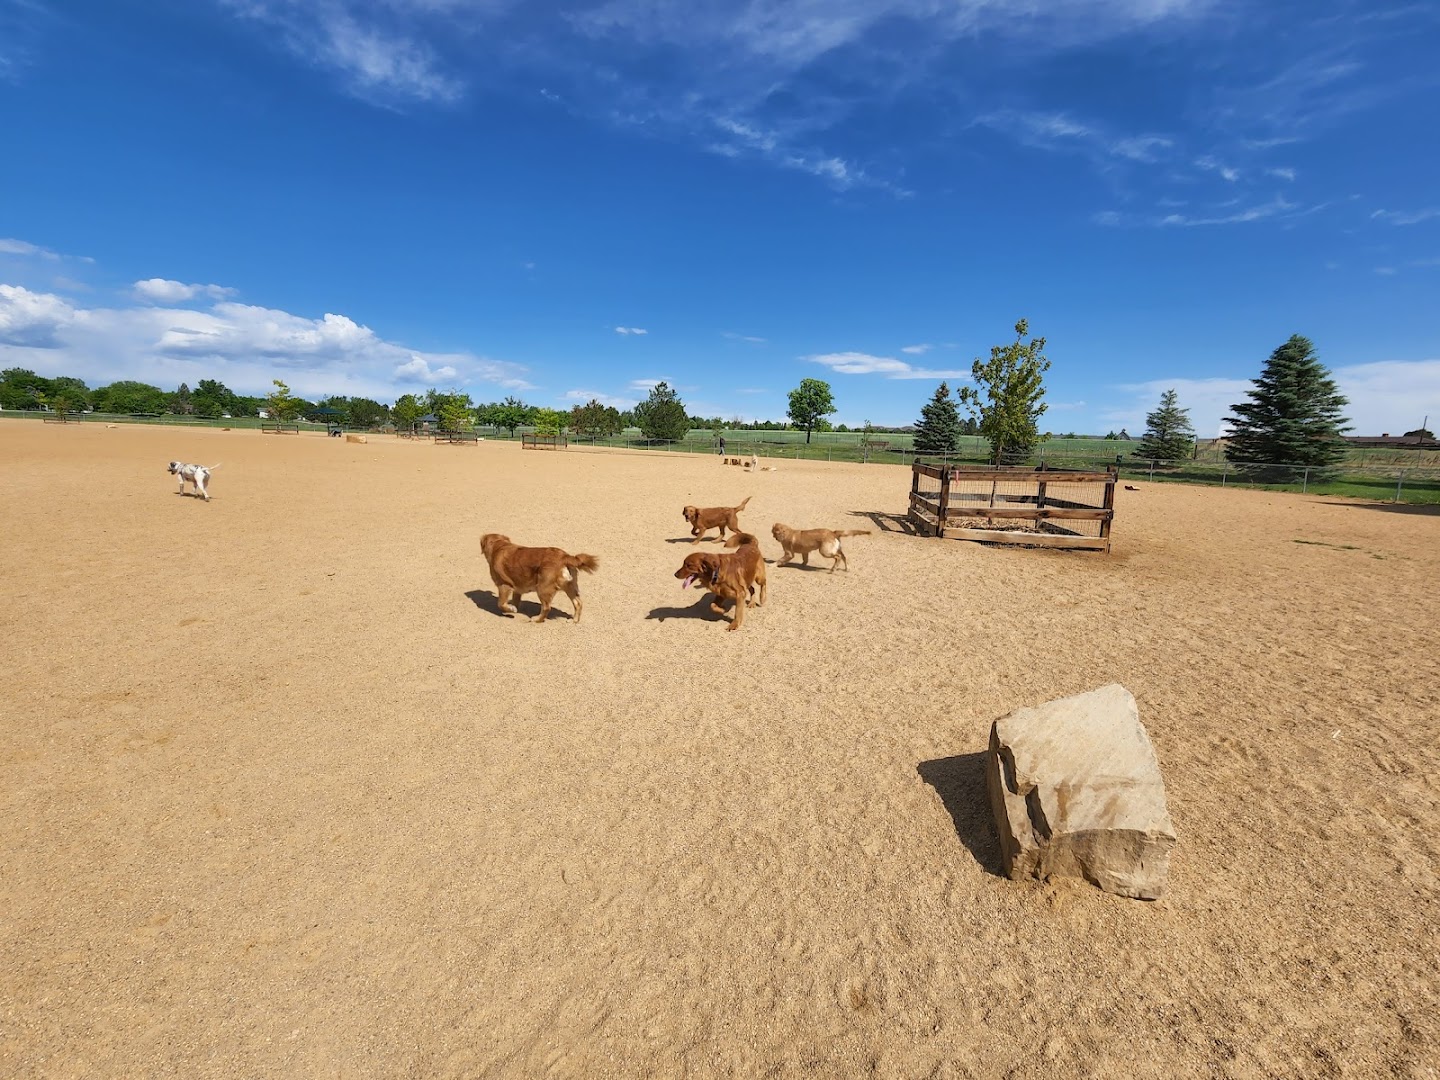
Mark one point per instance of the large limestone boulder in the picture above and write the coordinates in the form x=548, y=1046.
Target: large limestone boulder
x=1077, y=792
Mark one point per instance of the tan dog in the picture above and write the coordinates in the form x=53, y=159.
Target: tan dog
x=704, y=518
x=545, y=571
x=803, y=541
x=729, y=577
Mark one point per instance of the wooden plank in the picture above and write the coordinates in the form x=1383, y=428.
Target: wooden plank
x=1050, y=540
x=1021, y=476
x=932, y=471
x=1035, y=514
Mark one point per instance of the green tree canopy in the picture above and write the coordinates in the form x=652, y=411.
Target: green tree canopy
x=1168, y=434
x=406, y=411
x=281, y=404
x=1007, y=392
x=938, y=429
x=595, y=420
x=509, y=414
x=810, y=403
x=662, y=414
x=128, y=396
x=1295, y=415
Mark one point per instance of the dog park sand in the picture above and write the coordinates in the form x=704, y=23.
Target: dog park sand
x=281, y=794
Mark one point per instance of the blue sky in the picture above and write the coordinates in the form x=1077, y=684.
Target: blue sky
x=573, y=199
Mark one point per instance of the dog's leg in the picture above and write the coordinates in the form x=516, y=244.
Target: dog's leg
x=572, y=590
x=546, y=596
x=739, y=618
x=764, y=585
x=503, y=594
x=200, y=487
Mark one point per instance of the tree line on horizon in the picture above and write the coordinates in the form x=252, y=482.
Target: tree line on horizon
x=1293, y=415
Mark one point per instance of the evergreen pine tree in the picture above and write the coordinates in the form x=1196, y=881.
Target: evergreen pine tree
x=662, y=414
x=1294, y=415
x=938, y=429
x=1168, y=434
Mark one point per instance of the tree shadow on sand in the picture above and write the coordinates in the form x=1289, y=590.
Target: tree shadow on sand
x=960, y=783
x=1413, y=509
x=887, y=522
x=528, y=609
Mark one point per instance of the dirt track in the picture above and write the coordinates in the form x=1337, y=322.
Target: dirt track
x=282, y=795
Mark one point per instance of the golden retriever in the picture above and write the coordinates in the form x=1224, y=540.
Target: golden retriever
x=803, y=541
x=729, y=577
x=704, y=518
x=545, y=571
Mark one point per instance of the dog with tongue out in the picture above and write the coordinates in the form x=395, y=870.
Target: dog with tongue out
x=731, y=576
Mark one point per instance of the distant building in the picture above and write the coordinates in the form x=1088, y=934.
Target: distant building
x=1393, y=442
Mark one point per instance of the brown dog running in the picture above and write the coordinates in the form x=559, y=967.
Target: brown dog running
x=729, y=577
x=704, y=518
x=803, y=541
x=545, y=571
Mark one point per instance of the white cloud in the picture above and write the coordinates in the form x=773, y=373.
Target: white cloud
x=1281, y=174
x=855, y=363
x=649, y=384
x=584, y=397
x=1386, y=396
x=1390, y=395
x=1210, y=164
x=164, y=291
x=377, y=59
x=417, y=369
x=242, y=345
x=21, y=247
x=1405, y=217
x=1276, y=206
x=628, y=330
x=748, y=339
x=917, y=350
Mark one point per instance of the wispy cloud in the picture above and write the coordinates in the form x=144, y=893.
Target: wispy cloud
x=746, y=338
x=649, y=384
x=627, y=331
x=1278, y=207
x=917, y=350
x=163, y=291
x=857, y=363
x=1281, y=174
x=21, y=247
x=1210, y=164
x=1405, y=217
x=584, y=397
x=380, y=55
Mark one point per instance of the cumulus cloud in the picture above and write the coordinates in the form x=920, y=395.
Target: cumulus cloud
x=856, y=363
x=164, y=291
x=243, y=345
x=627, y=330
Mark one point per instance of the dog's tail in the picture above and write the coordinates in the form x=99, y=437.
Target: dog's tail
x=740, y=539
x=743, y=504
x=852, y=532
x=588, y=563
x=212, y=468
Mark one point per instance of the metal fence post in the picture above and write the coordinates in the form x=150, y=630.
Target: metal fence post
x=1152, y=469
x=1399, y=485
x=1225, y=474
x=1305, y=481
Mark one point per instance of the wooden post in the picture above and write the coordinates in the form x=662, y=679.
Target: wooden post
x=1040, y=498
x=943, y=517
x=1109, y=504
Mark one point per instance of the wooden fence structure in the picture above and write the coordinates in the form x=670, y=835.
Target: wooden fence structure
x=542, y=442
x=1041, y=507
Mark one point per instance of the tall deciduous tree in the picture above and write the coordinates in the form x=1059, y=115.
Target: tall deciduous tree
x=1007, y=392
x=938, y=429
x=810, y=403
x=662, y=414
x=406, y=411
x=595, y=420
x=1168, y=434
x=1295, y=415
x=510, y=413
x=279, y=403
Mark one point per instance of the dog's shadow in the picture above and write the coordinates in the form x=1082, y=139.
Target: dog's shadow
x=887, y=522
x=960, y=783
x=689, y=539
x=526, y=609
x=698, y=610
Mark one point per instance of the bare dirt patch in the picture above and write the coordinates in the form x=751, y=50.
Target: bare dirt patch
x=282, y=794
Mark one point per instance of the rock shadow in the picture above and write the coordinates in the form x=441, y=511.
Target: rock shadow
x=960, y=783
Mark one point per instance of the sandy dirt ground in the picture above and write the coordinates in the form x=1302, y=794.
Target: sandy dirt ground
x=282, y=794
